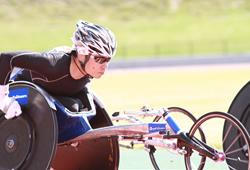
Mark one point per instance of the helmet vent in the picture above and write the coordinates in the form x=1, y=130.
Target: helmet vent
x=95, y=38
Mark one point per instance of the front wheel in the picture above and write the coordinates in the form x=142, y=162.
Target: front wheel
x=169, y=158
x=231, y=143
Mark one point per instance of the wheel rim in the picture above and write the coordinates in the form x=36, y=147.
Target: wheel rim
x=230, y=146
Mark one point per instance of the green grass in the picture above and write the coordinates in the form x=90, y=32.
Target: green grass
x=199, y=90
x=142, y=27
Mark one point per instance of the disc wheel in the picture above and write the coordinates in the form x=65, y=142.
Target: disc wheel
x=231, y=142
x=28, y=142
x=16, y=142
x=170, y=159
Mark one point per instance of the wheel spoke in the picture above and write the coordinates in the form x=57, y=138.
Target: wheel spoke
x=232, y=167
x=239, y=135
x=228, y=130
x=238, y=160
x=234, y=151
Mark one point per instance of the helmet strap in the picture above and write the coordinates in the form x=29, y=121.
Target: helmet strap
x=82, y=64
x=85, y=61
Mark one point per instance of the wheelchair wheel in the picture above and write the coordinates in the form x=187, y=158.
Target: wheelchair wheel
x=240, y=108
x=158, y=156
x=232, y=143
x=28, y=141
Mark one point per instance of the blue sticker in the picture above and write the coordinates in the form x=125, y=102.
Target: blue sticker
x=21, y=95
x=156, y=127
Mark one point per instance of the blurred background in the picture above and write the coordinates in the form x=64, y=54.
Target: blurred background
x=192, y=35
x=207, y=42
x=143, y=28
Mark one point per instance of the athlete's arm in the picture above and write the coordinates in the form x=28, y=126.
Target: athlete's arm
x=37, y=62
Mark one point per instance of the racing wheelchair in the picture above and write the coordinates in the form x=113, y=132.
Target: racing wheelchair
x=48, y=134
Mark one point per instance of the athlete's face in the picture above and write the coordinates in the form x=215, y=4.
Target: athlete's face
x=97, y=66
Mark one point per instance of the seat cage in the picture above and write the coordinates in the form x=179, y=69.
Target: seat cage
x=70, y=124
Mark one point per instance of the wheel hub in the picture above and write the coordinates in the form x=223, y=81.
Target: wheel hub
x=11, y=143
x=15, y=142
x=220, y=157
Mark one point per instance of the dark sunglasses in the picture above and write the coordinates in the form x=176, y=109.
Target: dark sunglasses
x=101, y=60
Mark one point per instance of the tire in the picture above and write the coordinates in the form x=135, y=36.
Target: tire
x=29, y=141
x=186, y=120
x=233, y=142
x=240, y=106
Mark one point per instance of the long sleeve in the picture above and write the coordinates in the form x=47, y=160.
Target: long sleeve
x=7, y=65
x=28, y=60
x=51, y=71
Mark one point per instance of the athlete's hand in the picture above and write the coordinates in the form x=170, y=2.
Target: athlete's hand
x=8, y=105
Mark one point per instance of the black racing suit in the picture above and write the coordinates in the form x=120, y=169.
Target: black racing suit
x=50, y=71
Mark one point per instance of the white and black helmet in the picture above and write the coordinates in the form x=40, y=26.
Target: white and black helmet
x=95, y=38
